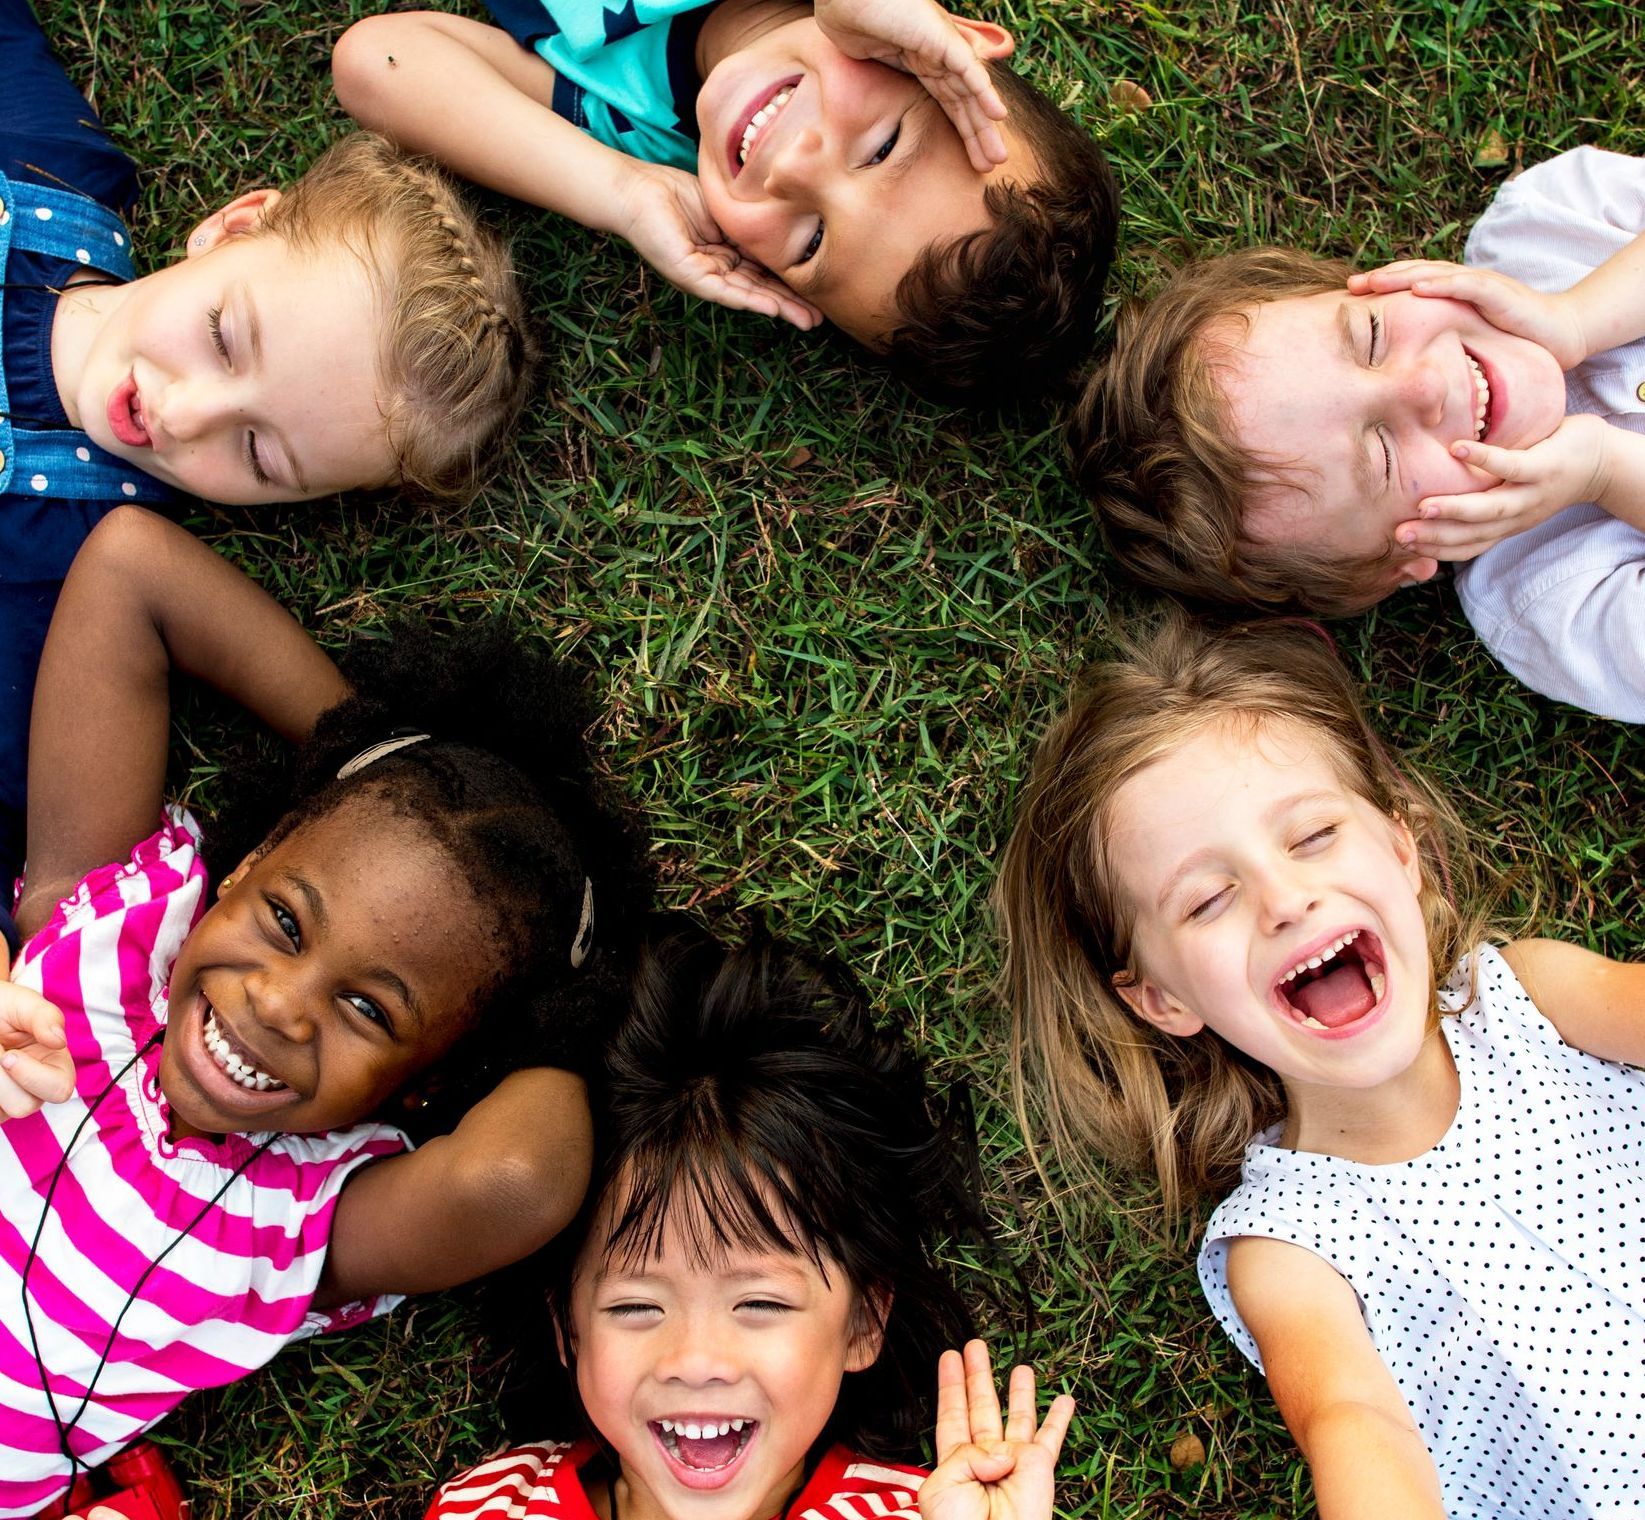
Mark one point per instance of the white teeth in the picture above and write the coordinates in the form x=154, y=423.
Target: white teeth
x=1312, y=1023
x=697, y=1431
x=1482, y=396
x=1314, y=962
x=1379, y=984
x=248, y=1077
x=760, y=118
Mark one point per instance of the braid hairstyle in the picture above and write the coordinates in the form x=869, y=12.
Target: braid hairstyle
x=456, y=358
x=505, y=787
x=750, y=1098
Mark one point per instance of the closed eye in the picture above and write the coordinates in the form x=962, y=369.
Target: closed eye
x=765, y=1305
x=255, y=463
x=1321, y=836
x=1371, y=354
x=1206, y=907
x=1387, y=458
x=214, y=322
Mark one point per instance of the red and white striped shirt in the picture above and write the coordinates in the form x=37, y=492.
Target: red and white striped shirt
x=543, y=1481
x=236, y=1288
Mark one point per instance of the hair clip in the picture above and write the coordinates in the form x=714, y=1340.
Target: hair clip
x=374, y=752
x=585, y=927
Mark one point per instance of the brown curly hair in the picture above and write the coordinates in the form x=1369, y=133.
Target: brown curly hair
x=1152, y=444
x=1010, y=311
x=455, y=360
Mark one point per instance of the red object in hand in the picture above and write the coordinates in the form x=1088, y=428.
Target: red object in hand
x=145, y=1489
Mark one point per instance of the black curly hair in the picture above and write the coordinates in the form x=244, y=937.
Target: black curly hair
x=753, y=1086
x=505, y=786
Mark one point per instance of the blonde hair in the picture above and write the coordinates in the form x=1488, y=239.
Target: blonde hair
x=1106, y=1084
x=455, y=359
x=1152, y=444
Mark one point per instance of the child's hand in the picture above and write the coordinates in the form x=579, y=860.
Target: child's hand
x=1569, y=467
x=984, y=1472
x=666, y=219
x=1504, y=302
x=920, y=38
x=35, y=1065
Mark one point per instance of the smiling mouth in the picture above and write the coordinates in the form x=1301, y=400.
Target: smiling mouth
x=766, y=110
x=705, y=1446
x=225, y=1055
x=1338, y=985
x=125, y=415
x=1482, y=398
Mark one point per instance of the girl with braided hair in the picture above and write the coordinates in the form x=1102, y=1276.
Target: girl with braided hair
x=358, y=331
x=203, y=1096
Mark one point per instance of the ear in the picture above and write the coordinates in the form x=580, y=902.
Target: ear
x=1154, y=1005
x=868, y=1330
x=1411, y=572
x=228, y=883
x=988, y=41
x=1405, y=847
x=561, y=1344
x=242, y=214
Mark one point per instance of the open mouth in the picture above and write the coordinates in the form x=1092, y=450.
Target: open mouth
x=231, y=1060
x=125, y=412
x=1482, y=397
x=764, y=110
x=704, y=1453
x=1337, y=985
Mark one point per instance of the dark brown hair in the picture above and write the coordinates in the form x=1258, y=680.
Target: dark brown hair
x=1010, y=311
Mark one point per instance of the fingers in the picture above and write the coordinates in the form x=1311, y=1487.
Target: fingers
x=1055, y=1425
x=1020, y=1416
x=981, y=1399
x=27, y=1018
x=953, y=1423
x=31, y=1079
x=1505, y=464
x=1402, y=274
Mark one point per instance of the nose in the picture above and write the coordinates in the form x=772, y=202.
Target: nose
x=695, y=1355
x=1284, y=895
x=793, y=167
x=189, y=409
x=1419, y=389
x=280, y=1002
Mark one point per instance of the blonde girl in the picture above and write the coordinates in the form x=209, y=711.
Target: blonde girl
x=1244, y=947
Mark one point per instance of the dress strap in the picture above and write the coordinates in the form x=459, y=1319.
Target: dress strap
x=62, y=224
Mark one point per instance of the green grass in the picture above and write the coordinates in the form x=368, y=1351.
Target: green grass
x=826, y=677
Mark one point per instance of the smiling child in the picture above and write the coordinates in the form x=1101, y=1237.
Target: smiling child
x=855, y=161
x=1274, y=430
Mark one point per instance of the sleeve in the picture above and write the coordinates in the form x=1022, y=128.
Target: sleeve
x=49, y=130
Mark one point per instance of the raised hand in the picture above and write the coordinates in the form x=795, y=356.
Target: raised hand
x=1568, y=467
x=1504, y=302
x=666, y=219
x=986, y=1470
x=921, y=38
x=35, y=1065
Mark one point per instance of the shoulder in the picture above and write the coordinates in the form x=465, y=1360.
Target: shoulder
x=847, y=1486
x=541, y=1473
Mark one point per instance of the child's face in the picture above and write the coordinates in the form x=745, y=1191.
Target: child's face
x=1243, y=856
x=338, y=965
x=759, y=1341
x=245, y=372
x=1367, y=394
x=855, y=171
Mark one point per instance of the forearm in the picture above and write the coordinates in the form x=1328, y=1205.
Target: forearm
x=142, y=599
x=470, y=96
x=1622, y=488
x=1609, y=303
x=507, y=1180
x=1367, y=1465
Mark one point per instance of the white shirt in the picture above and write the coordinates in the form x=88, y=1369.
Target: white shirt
x=1563, y=605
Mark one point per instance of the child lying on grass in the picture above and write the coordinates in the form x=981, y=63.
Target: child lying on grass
x=1273, y=431
x=855, y=162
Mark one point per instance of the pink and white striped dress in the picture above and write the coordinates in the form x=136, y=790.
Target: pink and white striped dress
x=237, y=1288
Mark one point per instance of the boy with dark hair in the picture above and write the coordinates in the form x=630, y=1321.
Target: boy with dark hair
x=872, y=162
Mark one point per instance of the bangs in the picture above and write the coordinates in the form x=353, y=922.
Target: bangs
x=714, y=1199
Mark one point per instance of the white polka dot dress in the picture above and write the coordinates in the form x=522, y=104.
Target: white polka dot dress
x=1501, y=1274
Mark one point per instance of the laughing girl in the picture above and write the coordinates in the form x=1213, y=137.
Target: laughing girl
x=1242, y=945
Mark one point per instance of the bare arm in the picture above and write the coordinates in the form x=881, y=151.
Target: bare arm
x=1338, y=1398
x=507, y=1180
x=142, y=599
x=1597, y=1005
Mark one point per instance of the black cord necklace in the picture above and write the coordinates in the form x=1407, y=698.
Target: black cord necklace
x=66, y=1428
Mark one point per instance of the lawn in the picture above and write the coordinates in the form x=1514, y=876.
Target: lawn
x=832, y=619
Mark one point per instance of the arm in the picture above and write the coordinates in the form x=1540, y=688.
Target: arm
x=472, y=97
x=1337, y=1396
x=142, y=599
x=1597, y=1005
x=507, y=1180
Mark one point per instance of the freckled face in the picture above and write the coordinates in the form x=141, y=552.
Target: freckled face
x=340, y=964
x=1366, y=394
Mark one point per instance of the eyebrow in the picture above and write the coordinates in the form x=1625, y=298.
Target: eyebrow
x=254, y=337
x=1274, y=811
x=316, y=908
